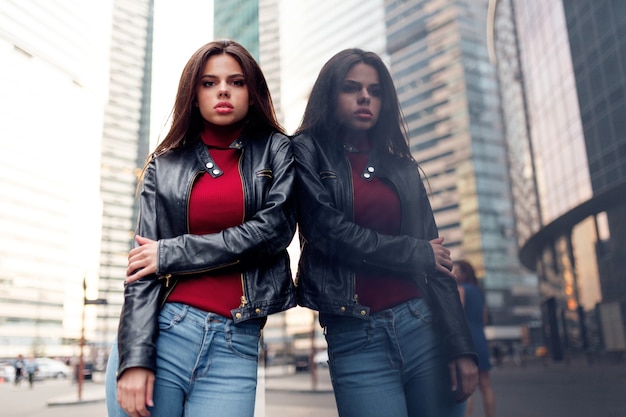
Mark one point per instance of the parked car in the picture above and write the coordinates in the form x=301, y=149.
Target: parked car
x=7, y=371
x=51, y=368
x=321, y=358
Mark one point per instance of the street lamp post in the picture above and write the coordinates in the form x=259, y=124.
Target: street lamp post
x=81, y=360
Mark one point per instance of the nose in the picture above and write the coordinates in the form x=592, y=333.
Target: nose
x=223, y=90
x=364, y=97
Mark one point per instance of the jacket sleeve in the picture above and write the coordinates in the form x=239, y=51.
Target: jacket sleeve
x=263, y=235
x=329, y=231
x=443, y=296
x=138, y=325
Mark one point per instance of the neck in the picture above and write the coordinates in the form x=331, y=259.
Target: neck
x=358, y=139
x=218, y=135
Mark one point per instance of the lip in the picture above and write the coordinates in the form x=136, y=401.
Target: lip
x=223, y=107
x=363, y=114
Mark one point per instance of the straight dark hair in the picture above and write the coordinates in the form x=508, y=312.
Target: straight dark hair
x=319, y=120
x=187, y=122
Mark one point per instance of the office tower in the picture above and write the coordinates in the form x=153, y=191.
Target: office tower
x=125, y=146
x=561, y=66
x=255, y=25
x=54, y=86
x=449, y=95
x=238, y=20
x=294, y=40
x=312, y=32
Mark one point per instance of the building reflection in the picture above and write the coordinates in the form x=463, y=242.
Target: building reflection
x=564, y=107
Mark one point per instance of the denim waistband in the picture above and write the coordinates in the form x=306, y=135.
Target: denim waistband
x=381, y=318
x=209, y=317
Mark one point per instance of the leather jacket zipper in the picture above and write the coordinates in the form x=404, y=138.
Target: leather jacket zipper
x=355, y=296
x=168, y=277
x=243, y=189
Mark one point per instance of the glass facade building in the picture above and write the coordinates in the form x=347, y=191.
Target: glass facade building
x=238, y=20
x=53, y=87
x=292, y=38
x=313, y=32
x=76, y=88
x=125, y=147
x=449, y=95
x=561, y=67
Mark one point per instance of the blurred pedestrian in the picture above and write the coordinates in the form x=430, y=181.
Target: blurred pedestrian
x=30, y=369
x=476, y=311
x=210, y=260
x=372, y=262
x=19, y=369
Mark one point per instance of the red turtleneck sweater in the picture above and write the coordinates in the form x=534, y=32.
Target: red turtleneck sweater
x=215, y=204
x=377, y=207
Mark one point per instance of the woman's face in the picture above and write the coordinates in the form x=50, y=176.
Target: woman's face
x=222, y=95
x=359, y=101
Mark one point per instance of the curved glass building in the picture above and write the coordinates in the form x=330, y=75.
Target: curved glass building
x=561, y=68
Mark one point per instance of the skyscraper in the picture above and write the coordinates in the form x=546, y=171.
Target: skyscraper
x=55, y=85
x=294, y=40
x=449, y=95
x=561, y=67
x=75, y=99
x=437, y=53
x=313, y=31
x=238, y=20
x=125, y=146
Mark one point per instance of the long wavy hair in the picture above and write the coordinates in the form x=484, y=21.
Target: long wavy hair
x=320, y=121
x=187, y=122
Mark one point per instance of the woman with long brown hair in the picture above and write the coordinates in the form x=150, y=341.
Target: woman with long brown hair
x=372, y=261
x=209, y=262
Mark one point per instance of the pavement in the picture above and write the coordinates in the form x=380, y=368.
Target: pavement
x=575, y=388
x=279, y=378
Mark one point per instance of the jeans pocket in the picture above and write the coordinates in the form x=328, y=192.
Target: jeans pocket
x=171, y=314
x=420, y=309
x=345, y=341
x=244, y=341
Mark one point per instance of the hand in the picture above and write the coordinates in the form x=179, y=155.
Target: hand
x=142, y=260
x=466, y=369
x=443, y=261
x=134, y=391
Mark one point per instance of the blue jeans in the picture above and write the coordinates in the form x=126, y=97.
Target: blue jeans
x=206, y=365
x=391, y=365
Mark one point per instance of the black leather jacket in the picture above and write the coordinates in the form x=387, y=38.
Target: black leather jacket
x=257, y=247
x=334, y=247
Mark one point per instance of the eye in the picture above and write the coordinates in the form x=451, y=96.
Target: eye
x=375, y=92
x=239, y=82
x=350, y=88
x=207, y=84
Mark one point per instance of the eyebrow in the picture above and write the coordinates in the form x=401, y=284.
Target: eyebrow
x=348, y=81
x=236, y=75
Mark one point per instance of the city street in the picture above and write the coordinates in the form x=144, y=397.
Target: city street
x=553, y=390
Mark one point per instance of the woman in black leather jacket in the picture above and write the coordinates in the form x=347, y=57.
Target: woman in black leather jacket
x=372, y=263
x=210, y=261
